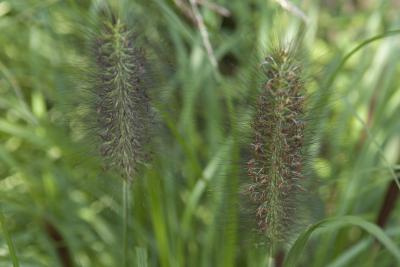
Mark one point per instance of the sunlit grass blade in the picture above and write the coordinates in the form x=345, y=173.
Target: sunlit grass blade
x=298, y=247
x=364, y=43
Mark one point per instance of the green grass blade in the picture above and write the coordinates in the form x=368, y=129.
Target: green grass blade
x=141, y=257
x=9, y=241
x=201, y=185
x=298, y=247
x=357, y=48
x=158, y=216
x=326, y=94
x=345, y=258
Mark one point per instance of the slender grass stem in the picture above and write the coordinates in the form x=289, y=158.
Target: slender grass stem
x=9, y=241
x=126, y=196
x=271, y=261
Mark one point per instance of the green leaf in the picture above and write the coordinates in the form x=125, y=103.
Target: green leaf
x=10, y=243
x=298, y=247
x=141, y=257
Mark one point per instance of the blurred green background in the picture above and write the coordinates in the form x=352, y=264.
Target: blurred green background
x=60, y=208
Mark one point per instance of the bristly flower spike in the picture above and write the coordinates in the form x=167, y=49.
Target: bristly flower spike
x=120, y=110
x=277, y=147
x=122, y=105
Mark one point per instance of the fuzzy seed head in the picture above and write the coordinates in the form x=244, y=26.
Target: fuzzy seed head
x=122, y=106
x=277, y=142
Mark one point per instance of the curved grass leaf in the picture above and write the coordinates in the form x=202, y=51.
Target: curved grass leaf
x=297, y=249
x=354, y=50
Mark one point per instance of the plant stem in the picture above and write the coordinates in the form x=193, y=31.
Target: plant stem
x=279, y=258
x=388, y=205
x=270, y=261
x=271, y=257
x=59, y=243
x=125, y=217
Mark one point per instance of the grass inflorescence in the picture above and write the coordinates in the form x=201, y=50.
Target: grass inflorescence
x=277, y=146
x=122, y=107
x=118, y=109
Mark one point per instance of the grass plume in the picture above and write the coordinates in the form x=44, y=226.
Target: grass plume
x=120, y=113
x=123, y=112
x=277, y=147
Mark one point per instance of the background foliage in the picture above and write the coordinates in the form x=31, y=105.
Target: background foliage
x=60, y=208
